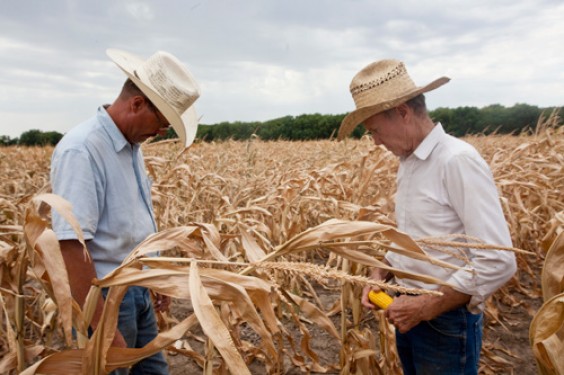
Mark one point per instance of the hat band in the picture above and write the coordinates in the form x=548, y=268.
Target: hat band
x=396, y=71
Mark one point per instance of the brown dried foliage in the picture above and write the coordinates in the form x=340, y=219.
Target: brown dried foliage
x=249, y=239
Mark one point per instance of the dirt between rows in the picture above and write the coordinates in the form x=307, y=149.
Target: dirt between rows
x=506, y=348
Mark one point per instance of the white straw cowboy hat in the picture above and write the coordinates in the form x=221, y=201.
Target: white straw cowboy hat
x=168, y=85
x=378, y=87
x=547, y=327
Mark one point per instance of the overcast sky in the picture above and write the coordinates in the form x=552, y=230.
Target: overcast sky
x=263, y=59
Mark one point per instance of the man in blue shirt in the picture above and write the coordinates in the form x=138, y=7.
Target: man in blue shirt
x=98, y=167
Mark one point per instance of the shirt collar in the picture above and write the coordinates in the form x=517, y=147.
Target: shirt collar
x=432, y=139
x=116, y=136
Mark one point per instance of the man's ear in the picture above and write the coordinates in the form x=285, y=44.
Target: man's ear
x=404, y=111
x=136, y=103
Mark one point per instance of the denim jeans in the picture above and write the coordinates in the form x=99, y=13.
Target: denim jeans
x=447, y=345
x=138, y=325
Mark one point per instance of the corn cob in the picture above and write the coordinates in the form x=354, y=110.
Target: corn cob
x=380, y=299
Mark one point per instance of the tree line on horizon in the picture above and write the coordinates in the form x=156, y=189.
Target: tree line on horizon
x=459, y=122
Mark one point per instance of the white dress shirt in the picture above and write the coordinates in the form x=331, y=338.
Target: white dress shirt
x=445, y=187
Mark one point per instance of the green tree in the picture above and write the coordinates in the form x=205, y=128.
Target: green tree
x=520, y=117
x=32, y=137
x=445, y=117
x=7, y=141
x=456, y=121
x=52, y=137
x=493, y=117
x=36, y=137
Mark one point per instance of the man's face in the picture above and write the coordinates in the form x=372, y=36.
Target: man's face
x=388, y=129
x=151, y=122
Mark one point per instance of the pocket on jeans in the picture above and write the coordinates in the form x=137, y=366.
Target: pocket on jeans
x=452, y=323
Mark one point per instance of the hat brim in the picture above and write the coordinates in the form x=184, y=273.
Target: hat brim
x=359, y=115
x=185, y=125
x=545, y=334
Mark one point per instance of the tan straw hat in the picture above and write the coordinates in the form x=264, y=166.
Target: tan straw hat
x=168, y=85
x=378, y=87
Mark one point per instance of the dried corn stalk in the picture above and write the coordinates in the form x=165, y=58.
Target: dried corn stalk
x=258, y=201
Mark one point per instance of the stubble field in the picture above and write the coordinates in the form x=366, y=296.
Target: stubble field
x=256, y=216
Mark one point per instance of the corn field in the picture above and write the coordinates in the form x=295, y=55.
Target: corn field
x=264, y=248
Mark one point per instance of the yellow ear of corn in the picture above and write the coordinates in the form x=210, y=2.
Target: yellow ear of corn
x=380, y=299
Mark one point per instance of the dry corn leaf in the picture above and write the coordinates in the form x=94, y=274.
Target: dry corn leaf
x=9, y=362
x=171, y=281
x=212, y=325
x=299, y=191
x=552, y=276
x=160, y=242
x=212, y=239
x=361, y=258
x=64, y=209
x=118, y=357
x=65, y=362
x=241, y=303
x=253, y=251
x=43, y=243
x=97, y=347
x=334, y=229
x=315, y=314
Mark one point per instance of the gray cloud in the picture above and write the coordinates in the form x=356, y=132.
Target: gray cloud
x=261, y=59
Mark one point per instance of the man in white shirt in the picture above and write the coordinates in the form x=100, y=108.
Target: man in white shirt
x=444, y=188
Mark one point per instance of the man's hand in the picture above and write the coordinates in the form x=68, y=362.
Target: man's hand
x=365, y=301
x=377, y=274
x=408, y=311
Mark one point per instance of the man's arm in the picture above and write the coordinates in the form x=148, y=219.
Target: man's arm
x=473, y=195
x=408, y=311
x=81, y=272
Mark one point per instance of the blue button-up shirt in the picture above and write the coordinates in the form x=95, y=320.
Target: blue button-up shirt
x=103, y=176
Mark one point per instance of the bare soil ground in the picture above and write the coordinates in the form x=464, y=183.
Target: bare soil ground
x=506, y=348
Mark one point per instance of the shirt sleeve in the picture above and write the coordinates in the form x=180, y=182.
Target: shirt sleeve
x=73, y=178
x=473, y=195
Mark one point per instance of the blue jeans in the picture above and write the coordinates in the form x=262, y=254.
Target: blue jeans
x=138, y=325
x=447, y=345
